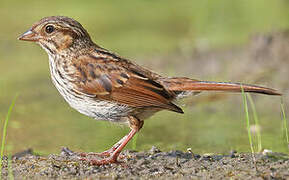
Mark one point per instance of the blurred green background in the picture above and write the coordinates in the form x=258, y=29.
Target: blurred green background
x=162, y=35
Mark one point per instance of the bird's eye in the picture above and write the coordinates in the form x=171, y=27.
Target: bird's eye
x=49, y=29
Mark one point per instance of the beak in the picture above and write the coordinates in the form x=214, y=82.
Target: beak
x=29, y=36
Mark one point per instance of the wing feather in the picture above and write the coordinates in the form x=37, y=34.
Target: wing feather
x=110, y=80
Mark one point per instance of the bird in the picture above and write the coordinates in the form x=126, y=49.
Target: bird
x=105, y=86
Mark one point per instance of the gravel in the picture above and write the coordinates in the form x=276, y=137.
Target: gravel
x=152, y=164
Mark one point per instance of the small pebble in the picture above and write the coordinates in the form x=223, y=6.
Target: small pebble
x=267, y=151
x=232, y=153
x=154, y=150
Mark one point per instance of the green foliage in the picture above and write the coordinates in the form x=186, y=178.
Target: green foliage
x=256, y=122
x=247, y=120
x=285, y=123
x=4, y=132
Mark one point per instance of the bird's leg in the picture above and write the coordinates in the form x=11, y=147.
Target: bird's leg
x=114, y=152
x=106, y=153
x=112, y=155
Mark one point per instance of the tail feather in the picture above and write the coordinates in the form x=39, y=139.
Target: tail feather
x=186, y=84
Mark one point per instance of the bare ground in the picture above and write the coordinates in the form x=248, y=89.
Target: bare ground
x=152, y=164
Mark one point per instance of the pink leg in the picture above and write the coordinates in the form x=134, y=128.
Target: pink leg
x=106, y=153
x=118, y=148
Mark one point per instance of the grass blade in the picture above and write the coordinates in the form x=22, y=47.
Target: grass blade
x=256, y=121
x=248, y=126
x=4, y=133
x=285, y=122
x=247, y=119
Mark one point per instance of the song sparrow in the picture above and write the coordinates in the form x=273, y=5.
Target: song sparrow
x=105, y=86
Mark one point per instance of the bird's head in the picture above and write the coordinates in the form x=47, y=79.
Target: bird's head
x=58, y=33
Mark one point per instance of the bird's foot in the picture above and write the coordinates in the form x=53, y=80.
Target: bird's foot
x=110, y=155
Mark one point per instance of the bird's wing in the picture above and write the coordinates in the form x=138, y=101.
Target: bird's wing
x=108, y=78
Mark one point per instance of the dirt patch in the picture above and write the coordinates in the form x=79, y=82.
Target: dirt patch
x=152, y=164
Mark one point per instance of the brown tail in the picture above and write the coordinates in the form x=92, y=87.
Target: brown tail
x=186, y=84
